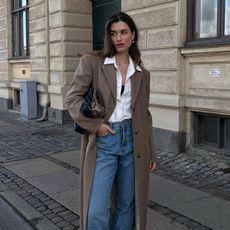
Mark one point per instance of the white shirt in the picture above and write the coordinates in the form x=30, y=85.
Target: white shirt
x=122, y=110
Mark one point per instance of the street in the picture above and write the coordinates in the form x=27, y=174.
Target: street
x=39, y=177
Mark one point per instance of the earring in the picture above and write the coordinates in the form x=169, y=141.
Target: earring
x=133, y=41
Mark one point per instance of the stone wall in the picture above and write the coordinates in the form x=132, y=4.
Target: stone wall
x=207, y=83
x=162, y=31
x=59, y=32
x=70, y=36
x=5, y=92
x=39, y=59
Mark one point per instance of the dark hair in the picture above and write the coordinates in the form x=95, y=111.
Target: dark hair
x=109, y=50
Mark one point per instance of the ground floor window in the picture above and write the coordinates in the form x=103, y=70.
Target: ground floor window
x=16, y=99
x=212, y=130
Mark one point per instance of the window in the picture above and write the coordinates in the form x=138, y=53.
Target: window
x=208, y=22
x=20, y=46
x=212, y=130
x=17, y=99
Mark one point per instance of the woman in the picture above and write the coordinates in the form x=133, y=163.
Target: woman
x=117, y=150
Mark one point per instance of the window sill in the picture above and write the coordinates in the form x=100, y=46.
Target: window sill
x=208, y=41
x=186, y=51
x=21, y=60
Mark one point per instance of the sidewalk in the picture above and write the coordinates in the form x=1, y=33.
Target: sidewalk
x=39, y=175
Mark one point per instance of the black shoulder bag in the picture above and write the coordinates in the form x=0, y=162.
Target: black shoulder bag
x=90, y=108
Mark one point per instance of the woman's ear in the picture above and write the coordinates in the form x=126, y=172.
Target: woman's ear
x=133, y=35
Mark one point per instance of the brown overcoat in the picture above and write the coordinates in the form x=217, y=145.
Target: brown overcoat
x=92, y=67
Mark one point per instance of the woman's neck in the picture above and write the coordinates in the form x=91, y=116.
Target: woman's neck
x=122, y=59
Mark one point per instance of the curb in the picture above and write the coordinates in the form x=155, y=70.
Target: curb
x=37, y=221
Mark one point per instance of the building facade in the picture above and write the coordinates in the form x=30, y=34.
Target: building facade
x=185, y=44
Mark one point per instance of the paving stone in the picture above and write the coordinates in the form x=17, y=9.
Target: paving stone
x=58, y=209
x=49, y=202
x=191, y=224
x=172, y=215
x=64, y=213
x=28, y=197
x=70, y=227
x=46, y=212
x=35, y=193
x=75, y=223
x=42, y=208
x=56, y=219
x=181, y=219
x=43, y=197
x=62, y=224
x=54, y=205
x=51, y=216
x=70, y=217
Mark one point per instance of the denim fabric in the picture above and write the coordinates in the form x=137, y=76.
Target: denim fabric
x=114, y=162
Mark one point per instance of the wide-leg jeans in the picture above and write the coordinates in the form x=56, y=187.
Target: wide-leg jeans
x=114, y=163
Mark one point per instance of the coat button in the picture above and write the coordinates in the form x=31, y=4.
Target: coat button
x=136, y=132
x=134, y=109
x=138, y=156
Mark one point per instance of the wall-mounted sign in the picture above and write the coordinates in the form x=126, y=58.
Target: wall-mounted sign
x=214, y=72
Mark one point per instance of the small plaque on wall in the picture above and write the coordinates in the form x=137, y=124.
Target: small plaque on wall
x=214, y=73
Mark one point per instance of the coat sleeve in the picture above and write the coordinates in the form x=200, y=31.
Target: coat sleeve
x=150, y=123
x=80, y=84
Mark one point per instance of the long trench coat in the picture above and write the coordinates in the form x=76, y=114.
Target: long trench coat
x=92, y=68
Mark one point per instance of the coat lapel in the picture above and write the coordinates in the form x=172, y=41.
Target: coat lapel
x=135, y=85
x=110, y=77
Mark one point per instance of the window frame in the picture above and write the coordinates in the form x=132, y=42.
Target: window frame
x=210, y=41
x=18, y=51
x=221, y=144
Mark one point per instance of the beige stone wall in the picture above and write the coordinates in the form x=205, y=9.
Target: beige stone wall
x=70, y=36
x=162, y=31
x=39, y=58
x=207, y=82
x=4, y=90
x=59, y=32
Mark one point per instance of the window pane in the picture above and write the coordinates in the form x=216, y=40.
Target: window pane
x=15, y=35
x=15, y=4
x=227, y=133
x=209, y=129
x=24, y=2
x=227, y=18
x=206, y=18
x=24, y=33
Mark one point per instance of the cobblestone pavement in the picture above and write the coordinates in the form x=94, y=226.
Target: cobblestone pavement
x=21, y=139
x=48, y=207
x=206, y=171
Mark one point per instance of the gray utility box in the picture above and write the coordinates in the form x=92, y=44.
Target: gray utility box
x=28, y=99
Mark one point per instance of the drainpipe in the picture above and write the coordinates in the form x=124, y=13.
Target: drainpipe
x=47, y=104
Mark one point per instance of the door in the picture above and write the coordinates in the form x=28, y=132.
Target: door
x=102, y=10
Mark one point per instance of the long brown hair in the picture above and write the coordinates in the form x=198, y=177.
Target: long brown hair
x=109, y=50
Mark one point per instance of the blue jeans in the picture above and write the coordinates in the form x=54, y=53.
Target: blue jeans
x=114, y=163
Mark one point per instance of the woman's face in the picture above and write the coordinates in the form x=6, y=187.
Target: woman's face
x=121, y=36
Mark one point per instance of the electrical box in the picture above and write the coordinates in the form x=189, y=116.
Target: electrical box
x=28, y=99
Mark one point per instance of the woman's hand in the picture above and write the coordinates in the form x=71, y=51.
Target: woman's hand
x=104, y=130
x=152, y=166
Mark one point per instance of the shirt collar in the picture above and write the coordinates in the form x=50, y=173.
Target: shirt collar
x=112, y=60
